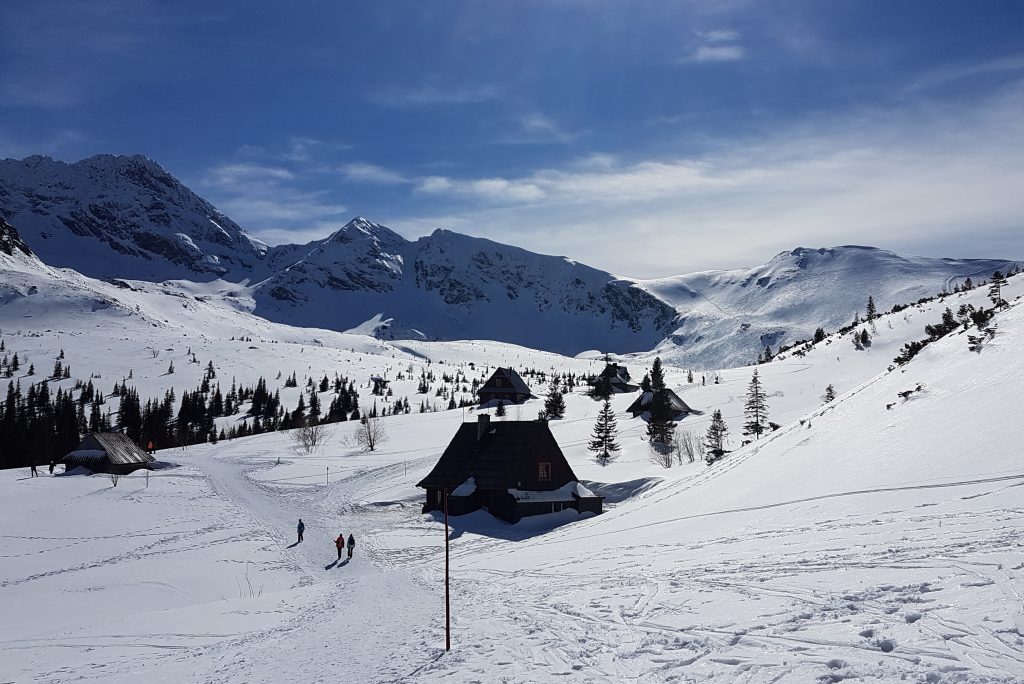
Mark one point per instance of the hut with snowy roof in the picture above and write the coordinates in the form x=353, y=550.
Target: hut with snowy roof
x=505, y=386
x=642, y=405
x=511, y=469
x=108, y=452
x=617, y=379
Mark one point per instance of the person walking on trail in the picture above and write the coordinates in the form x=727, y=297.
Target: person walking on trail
x=301, y=528
x=340, y=543
x=351, y=545
x=53, y=464
x=32, y=472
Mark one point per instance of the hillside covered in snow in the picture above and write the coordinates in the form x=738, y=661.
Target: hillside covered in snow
x=127, y=218
x=875, y=537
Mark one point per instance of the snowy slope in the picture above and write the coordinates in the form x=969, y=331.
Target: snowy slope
x=866, y=543
x=124, y=217
x=727, y=318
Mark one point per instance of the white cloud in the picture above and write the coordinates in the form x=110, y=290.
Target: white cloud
x=906, y=180
x=717, y=46
x=717, y=53
x=371, y=173
x=427, y=94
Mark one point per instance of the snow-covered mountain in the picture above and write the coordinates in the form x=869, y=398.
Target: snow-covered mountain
x=366, y=278
x=118, y=216
x=126, y=217
x=727, y=318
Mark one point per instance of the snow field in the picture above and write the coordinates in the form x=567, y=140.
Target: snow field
x=866, y=543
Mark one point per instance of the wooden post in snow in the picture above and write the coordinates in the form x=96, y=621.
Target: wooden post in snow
x=447, y=603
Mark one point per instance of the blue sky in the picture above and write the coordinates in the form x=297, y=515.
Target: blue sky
x=645, y=138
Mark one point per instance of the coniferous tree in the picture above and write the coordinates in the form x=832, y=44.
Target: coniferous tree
x=995, y=289
x=819, y=335
x=660, y=427
x=830, y=395
x=500, y=410
x=554, y=405
x=756, y=408
x=603, y=442
x=871, y=312
x=714, y=440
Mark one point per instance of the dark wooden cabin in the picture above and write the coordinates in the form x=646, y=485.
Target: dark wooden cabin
x=108, y=452
x=511, y=468
x=642, y=405
x=617, y=378
x=504, y=385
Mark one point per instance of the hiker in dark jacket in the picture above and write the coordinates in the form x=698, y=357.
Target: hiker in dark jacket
x=340, y=543
x=351, y=544
x=53, y=464
x=301, y=528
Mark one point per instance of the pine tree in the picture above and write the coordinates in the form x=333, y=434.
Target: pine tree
x=756, y=409
x=603, y=443
x=500, y=410
x=714, y=440
x=830, y=395
x=819, y=335
x=872, y=313
x=995, y=289
x=554, y=405
x=689, y=376
x=660, y=428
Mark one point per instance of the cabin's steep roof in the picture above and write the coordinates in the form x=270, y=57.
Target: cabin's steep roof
x=643, y=402
x=516, y=383
x=119, y=449
x=493, y=459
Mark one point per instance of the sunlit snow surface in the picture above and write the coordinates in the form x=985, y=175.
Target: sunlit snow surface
x=864, y=542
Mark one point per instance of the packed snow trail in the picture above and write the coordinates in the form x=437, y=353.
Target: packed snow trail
x=341, y=611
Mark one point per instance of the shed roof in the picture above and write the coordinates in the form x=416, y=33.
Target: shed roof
x=493, y=458
x=514, y=381
x=119, y=449
x=642, y=403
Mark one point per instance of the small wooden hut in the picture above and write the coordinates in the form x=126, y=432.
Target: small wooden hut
x=506, y=386
x=512, y=469
x=617, y=379
x=108, y=452
x=642, y=405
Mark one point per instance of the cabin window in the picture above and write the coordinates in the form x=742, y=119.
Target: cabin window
x=497, y=382
x=543, y=472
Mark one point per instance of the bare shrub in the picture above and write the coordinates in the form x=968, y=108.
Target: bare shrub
x=661, y=454
x=689, y=446
x=306, y=439
x=369, y=434
x=114, y=478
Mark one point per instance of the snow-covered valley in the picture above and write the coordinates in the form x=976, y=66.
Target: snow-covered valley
x=876, y=537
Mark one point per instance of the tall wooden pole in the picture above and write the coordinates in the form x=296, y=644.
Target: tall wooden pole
x=447, y=603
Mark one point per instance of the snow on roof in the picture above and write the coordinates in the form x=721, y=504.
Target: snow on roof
x=566, y=492
x=466, y=488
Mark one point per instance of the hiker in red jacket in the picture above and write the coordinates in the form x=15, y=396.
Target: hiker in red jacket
x=340, y=543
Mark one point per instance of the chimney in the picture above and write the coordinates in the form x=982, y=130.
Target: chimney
x=483, y=421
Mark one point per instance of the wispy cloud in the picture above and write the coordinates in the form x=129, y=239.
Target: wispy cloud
x=371, y=173
x=1011, y=65
x=717, y=46
x=427, y=94
x=536, y=128
x=262, y=197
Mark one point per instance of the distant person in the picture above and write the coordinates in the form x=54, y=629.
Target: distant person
x=351, y=545
x=340, y=543
x=301, y=528
x=53, y=465
x=703, y=380
x=32, y=471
